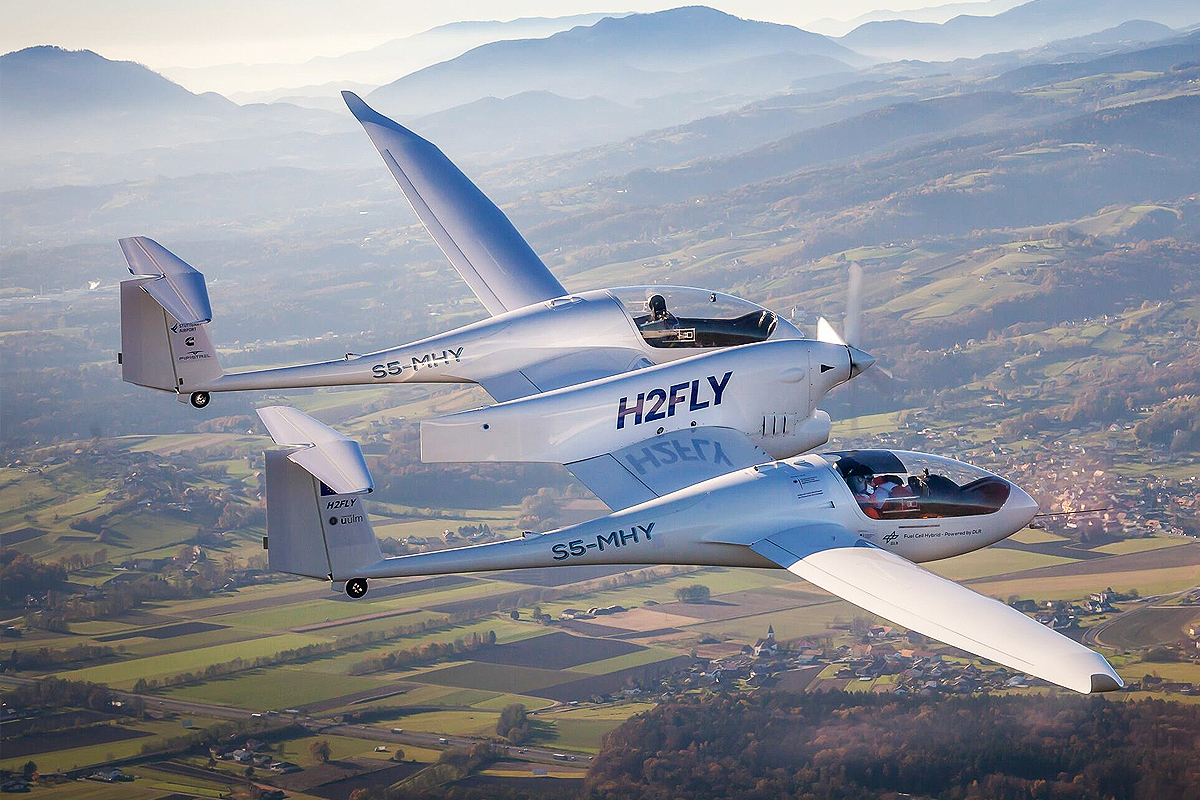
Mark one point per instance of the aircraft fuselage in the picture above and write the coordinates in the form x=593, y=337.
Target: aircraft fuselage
x=713, y=522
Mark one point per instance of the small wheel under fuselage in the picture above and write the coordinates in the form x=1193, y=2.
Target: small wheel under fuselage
x=356, y=587
x=199, y=399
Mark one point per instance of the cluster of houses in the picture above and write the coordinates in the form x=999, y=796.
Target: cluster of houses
x=591, y=613
x=114, y=775
x=913, y=670
x=136, y=569
x=1060, y=615
x=252, y=753
x=1153, y=683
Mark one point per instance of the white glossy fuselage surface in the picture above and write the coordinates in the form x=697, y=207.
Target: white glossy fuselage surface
x=711, y=523
x=525, y=338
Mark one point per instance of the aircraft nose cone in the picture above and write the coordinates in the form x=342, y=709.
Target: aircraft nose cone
x=1022, y=503
x=860, y=360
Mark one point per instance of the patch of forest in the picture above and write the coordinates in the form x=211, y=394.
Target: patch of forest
x=841, y=745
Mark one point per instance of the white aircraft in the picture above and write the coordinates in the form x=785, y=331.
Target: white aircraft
x=540, y=337
x=853, y=523
x=684, y=410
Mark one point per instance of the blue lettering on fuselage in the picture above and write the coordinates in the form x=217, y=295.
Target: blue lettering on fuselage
x=660, y=403
x=621, y=537
x=674, y=451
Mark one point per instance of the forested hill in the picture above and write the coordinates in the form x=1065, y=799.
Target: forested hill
x=822, y=746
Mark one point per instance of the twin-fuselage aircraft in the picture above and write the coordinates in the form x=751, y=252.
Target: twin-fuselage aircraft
x=690, y=413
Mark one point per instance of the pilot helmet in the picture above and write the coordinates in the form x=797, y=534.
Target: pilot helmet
x=657, y=305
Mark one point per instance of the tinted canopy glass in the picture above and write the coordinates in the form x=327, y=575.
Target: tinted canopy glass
x=680, y=316
x=898, y=484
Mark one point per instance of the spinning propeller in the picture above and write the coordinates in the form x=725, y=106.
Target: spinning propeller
x=860, y=360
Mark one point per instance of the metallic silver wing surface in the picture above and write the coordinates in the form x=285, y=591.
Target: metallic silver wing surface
x=665, y=463
x=896, y=589
x=492, y=257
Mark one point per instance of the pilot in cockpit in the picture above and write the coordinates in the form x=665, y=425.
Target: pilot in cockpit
x=657, y=306
x=863, y=489
x=872, y=492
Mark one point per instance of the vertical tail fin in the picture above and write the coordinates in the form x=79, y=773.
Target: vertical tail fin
x=165, y=314
x=316, y=521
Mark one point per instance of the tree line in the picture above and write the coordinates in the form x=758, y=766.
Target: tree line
x=827, y=745
x=49, y=657
x=420, y=654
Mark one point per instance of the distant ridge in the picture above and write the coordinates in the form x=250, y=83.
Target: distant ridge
x=50, y=82
x=938, y=13
x=79, y=101
x=376, y=65
x=1029, y=25
x=617, y=58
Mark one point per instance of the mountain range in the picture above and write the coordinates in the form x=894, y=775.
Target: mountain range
x=637, y=56
x=76, y=100
x=50, y=82
x=940, y=13
x=1025, y=26
x=586, y=85
x=376, y=65
x=684, y=84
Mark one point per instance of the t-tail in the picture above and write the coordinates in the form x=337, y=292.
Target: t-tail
x=165, y=341
x=165, y=315
x=317, y=524
x=318, y=527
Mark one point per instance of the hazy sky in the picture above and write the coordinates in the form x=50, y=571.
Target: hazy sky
x=194, y=33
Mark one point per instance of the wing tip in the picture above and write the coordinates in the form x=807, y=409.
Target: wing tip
x=364, y=113
x=1106, y=682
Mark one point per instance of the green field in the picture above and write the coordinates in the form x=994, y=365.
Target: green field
x=458, y=722
x=125, y=673
x=1138, y=545
x=74, y=757
x=1068, y=587
x=581, y=728
x=276, y=688
x=1146, y=627
x=992, y=561
x=296, y=750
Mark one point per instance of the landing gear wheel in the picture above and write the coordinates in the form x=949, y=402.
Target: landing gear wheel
x=199, y=399
x=356, y=587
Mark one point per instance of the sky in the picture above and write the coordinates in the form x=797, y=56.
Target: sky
x=197, y=33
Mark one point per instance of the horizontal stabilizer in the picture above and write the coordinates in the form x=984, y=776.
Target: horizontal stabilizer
x=898, y=590
x=178, y=287
x=334, y=459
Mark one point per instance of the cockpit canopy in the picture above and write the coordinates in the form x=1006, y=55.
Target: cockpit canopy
x=680, y=316
x=899, y=484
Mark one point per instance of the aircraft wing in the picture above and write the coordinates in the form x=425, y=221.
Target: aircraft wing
x=898, y=590
x=492, y=257
x=566, y=369
x=665, y=463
